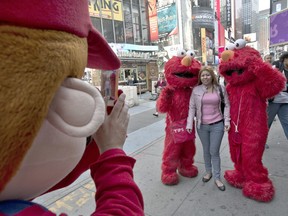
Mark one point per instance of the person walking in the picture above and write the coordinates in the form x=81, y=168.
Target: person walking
x=268, y=58
x=205, y=104
x=161, y=83
x=279, y=104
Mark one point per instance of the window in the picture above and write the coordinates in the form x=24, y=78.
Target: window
x=96, y=23
x=128, y=21
x=108, y=30
x=119, y=31
x=136, y=22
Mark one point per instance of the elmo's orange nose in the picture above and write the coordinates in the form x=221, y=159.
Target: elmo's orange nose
x=227, y=55
x=186, y=61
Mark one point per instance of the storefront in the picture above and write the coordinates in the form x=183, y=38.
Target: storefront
x=138, y=65
x=137, y=69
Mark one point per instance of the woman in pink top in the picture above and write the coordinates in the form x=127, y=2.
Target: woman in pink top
x=205, y=104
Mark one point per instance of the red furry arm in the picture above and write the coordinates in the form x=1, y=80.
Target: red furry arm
x=269, y=81
x=165, y=99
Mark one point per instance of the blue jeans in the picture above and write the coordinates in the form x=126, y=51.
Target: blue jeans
x=280, y=109
x=211, y=138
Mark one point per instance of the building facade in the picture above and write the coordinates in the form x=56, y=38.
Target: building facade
x=125, y=25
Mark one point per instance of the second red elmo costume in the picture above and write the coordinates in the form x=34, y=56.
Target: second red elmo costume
x=181, y=73
x=250, y=83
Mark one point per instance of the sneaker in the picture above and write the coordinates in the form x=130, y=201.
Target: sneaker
x=155, y=114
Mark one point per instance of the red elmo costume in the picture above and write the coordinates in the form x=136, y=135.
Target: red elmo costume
x=181, y=73
x=250, y=82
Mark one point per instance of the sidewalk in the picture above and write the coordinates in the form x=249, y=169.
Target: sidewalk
x=190, y=196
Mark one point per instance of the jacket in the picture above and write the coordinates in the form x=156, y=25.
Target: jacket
x=195, y=105
x=116, y=191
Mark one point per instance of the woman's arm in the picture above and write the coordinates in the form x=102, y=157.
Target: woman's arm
x=191, y=112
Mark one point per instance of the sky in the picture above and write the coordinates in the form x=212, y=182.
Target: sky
x=264, y=4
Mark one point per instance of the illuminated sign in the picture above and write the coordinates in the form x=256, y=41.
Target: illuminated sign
x=203, y=44
x=228, y=13
x=106, y=9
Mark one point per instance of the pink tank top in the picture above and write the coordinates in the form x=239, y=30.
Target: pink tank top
x=210, y=108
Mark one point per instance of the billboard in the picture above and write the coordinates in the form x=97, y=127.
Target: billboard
x=279, y=28
x=105, y=8
x=167, y=20
x=152, y=12
x=203, y=44
x=228, y=14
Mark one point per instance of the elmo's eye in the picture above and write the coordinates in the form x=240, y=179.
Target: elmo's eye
x=181, y=53
x=230, y=46
x=240, y=43
x=190, y=53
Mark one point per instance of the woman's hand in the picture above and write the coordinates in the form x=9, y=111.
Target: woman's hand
x=113, y=132
x=189, y=130
x=226, y=127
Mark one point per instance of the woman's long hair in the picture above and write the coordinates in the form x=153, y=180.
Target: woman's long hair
x=211, y=72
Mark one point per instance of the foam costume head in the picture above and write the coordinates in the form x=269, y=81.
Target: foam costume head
x=46, y=110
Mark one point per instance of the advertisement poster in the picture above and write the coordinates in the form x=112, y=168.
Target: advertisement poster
x=204, y=45
x=152, y=11
x=279, y=28
x=167, y=20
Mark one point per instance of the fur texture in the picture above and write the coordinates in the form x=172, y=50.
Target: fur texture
x=250, y=82
x=181, y=75
x=37, y=63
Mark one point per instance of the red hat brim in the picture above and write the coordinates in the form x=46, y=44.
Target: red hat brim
x=100, y=54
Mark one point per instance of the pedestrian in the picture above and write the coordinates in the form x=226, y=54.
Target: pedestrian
x=161, y=83
x=211, y=121
x=130, y=80
x=268, y=58
x=279, y=104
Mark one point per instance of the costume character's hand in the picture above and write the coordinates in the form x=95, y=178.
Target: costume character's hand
x=189, y=130
x=112, y=133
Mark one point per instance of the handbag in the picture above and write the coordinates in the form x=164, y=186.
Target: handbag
x=179, y=132
x=222, y=99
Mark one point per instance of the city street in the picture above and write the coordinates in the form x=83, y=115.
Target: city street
x=191, y=196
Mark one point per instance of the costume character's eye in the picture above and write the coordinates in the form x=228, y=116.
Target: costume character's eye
x=230, y=46
x=240, y=43
x=181, y=53
x=190, y=53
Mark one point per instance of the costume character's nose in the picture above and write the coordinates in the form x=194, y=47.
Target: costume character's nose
x=227, y=55
x=186, y=61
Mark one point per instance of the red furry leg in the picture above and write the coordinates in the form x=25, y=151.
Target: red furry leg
x=188, y=171
x=169, y=175
x=169, y=164
x=169, y=178
x=263, y=192
x=186, y=167
x=234, y=178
